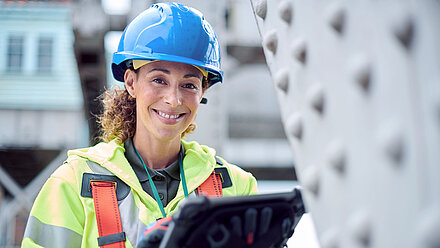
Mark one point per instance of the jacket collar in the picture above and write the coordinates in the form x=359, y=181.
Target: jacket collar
x=198, y=163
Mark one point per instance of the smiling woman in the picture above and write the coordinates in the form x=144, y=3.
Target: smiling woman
x=167, y=57
x=119, y=116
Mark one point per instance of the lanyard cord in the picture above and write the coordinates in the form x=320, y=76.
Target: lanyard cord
x=153, y=187
x=182, y=173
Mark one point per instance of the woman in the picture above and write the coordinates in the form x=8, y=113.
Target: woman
x=167, y=57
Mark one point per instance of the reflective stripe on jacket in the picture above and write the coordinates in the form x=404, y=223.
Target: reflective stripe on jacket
x=61, y=217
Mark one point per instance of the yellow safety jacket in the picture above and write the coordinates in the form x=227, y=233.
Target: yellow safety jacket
x=61, y=217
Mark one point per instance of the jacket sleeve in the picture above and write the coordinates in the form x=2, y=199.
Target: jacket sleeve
x=250, y=184
x=244, y=183
x=57, y=216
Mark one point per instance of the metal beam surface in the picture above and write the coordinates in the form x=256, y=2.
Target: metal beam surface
x=358, y=84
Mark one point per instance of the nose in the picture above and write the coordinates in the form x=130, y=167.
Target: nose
x=173, y=96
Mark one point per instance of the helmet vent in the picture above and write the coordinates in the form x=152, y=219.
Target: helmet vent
x=157, y=6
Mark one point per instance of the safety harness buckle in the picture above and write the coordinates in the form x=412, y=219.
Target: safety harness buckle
x=122, y=189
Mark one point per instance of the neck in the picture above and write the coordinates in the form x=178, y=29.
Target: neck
x=155, y=153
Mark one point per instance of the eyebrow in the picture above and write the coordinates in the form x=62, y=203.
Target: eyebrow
x=160, y=69
x=190, y=75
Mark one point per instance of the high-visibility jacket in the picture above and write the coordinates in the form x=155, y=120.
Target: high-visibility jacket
x=61, y=217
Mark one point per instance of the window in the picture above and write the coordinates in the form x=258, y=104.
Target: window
x=45, y=54
x=15, y=53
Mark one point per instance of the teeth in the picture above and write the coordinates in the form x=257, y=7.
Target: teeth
x=167, y=116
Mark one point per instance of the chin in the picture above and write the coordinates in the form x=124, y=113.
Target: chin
x=168, y=135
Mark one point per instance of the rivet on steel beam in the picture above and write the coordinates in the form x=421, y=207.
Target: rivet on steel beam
x=285, y=11
x=336, y=17
x=392, y=142
x=315, y=96
x=428, y=228
x=361, y=71
x=299, y=50
x=310, y=179
x=295, y=126
x=271, y=41
x=282, y=79
x=336, y=155
x=361, y=227
x=330, y=238
x=260, y=8
x=404, y=31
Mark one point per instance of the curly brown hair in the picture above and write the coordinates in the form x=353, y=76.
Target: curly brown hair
x=118, y=119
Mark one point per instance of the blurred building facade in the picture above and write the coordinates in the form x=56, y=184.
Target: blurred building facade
x=41, y=104
x=40, y=91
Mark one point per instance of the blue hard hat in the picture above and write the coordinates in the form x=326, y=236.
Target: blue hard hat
x=170, y=32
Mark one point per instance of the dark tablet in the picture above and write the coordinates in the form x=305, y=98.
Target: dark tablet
x=266, y=220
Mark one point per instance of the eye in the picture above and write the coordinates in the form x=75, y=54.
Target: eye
x=159, y=81
x=190, y=86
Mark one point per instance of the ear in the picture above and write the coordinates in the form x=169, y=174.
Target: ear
x=129, y=79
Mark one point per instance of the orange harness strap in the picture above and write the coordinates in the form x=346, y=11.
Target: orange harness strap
x=107, y=215
x=211, y=187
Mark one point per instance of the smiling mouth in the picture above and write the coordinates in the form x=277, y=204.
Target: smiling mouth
x=167, y=116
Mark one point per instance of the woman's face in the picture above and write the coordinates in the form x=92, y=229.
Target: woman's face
x=167, y=97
